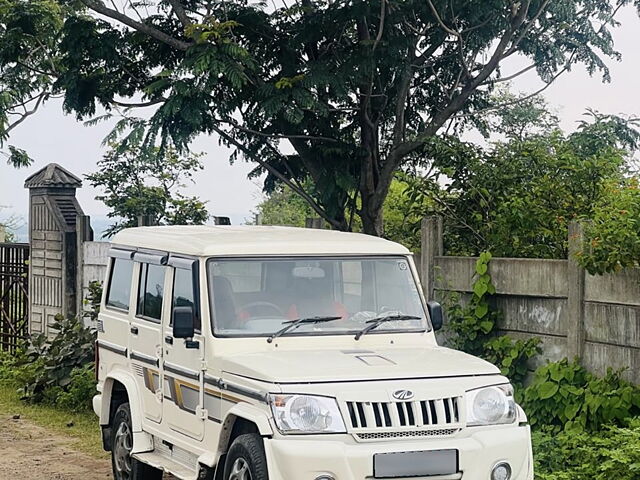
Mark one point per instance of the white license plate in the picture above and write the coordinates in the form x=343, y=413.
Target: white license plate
x=415, y=464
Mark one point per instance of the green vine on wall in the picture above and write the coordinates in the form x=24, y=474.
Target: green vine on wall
x=473, y=328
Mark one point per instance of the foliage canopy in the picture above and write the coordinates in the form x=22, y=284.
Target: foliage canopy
x=356, y=88
x=145, y=181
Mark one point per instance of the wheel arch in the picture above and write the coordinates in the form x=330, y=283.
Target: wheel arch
x=113, y=385
x=242, y=418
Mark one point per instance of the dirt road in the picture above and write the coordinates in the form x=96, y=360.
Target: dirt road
x=31, y=452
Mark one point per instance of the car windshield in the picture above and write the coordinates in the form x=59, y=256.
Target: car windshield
x=259, y=296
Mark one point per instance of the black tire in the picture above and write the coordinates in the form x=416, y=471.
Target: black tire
x=124, y=467
x=246, y=459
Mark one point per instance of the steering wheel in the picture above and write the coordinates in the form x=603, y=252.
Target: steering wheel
x=253, y=305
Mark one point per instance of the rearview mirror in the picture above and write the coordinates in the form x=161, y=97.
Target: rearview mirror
x=308, y=272
x=437, y=317
x=183, y=322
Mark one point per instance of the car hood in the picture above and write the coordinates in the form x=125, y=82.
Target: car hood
x=322, y=366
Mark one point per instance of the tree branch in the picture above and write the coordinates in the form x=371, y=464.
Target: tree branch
x=522, y=99
x=98, y=6
x=440, y=22
x=281, y=136
x=41, y=98
x=276, y=173
x=511, y=77
x=526, y=29
x=180, y=12
x=138, y=105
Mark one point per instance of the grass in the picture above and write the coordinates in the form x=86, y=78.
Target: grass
x=81, y=428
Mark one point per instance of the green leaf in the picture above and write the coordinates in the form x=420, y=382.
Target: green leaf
x=547, y=390
x=571, y=410
x=482, y=310
x=480, y=288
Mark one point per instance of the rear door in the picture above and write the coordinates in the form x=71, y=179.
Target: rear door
x=145, y=339
x=184, y=359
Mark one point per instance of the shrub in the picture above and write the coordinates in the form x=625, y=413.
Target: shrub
x=613, y=234
x=72, y=347
x=612, y=453
x=565, y=396
x=79, y=393
x=18, y=368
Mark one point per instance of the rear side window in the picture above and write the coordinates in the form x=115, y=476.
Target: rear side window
x=183, y=293
x=119, y=287
x=150, y=291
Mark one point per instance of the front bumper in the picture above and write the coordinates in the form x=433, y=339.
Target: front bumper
x=303, y=458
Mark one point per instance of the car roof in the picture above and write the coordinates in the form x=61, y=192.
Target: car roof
x=210, y=241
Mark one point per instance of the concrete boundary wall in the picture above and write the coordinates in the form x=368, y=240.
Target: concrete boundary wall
x=594, y=318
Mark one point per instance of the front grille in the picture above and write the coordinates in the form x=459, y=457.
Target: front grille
x=438, y=432
x=420, y=413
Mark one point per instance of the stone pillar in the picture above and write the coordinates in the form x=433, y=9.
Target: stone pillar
x=575, y=289
x=53, y=212
x=146, y=220
x=3, y=233
x=315, y=222
x=431, y=247
x=84, y=233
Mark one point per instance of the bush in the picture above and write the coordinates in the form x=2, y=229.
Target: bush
x=71, y=348
x=80, y=392
x=564, y=395
x=612, y=453
x=60, y=372
x=613, y=234
x=18, y=369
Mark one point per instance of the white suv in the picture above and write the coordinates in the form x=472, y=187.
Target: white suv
x=277, y=353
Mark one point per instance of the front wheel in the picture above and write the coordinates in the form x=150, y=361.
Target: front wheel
x=124, y=466
x=246, y=459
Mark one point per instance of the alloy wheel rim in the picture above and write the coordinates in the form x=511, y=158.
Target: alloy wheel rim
x=122, y=452
x=240, y=470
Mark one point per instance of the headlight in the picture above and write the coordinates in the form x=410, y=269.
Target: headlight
x=306, y=414
x=491, y=406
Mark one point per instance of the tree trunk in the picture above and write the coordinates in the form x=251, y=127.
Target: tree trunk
x=371, y=215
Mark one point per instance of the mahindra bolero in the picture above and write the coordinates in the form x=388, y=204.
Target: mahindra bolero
x=255, y=353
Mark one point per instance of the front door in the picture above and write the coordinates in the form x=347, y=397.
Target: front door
x=145, y=345
x=184, y=358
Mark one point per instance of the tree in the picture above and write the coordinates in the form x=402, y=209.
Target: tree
x=10, y=224
x=403, y=213
x=357, y=88
x=138, y=181
x=613, y=232
x=284, y=207
x=517, y=197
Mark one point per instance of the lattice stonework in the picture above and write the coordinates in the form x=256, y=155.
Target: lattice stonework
x=52, y=229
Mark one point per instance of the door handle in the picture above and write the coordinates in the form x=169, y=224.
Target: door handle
x=134, y=330
x=168, y=339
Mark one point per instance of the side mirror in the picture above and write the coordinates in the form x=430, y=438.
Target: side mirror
x=183, y=322
x=437, y=317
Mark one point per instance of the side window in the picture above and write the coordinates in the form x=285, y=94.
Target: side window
x=183, y=293
x=119, y=287
x=150, y=291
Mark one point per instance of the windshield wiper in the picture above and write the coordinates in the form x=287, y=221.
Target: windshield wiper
x=376, y=322
x=293, y=324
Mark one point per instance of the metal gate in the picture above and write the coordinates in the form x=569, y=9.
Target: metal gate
x=14, y=295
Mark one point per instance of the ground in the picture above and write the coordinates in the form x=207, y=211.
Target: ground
x=28, y=451
x=43, y=443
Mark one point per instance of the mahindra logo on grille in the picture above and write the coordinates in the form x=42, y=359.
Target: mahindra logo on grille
x=402, y=394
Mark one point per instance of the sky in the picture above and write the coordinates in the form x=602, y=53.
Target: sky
x=51, y=136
